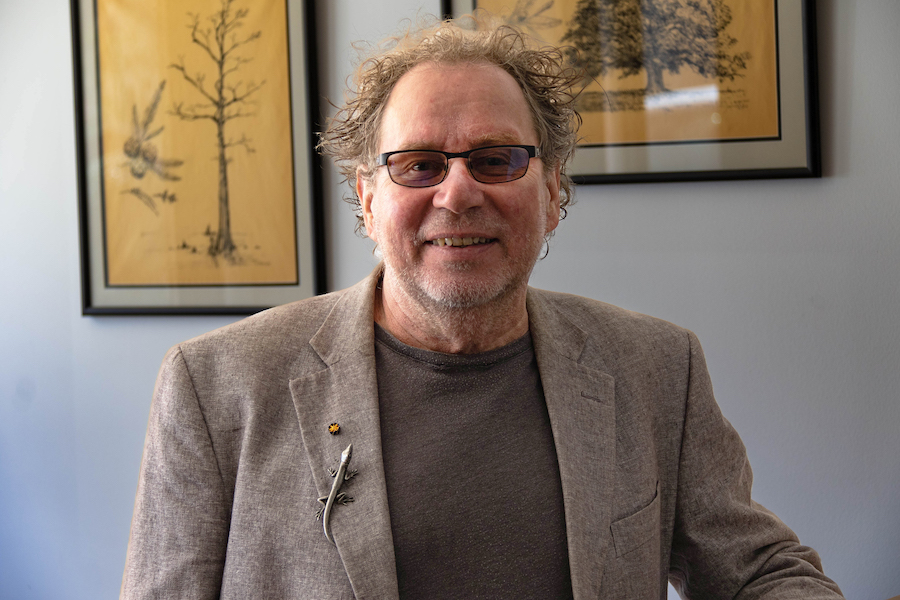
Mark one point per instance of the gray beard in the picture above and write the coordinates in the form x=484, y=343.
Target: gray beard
x=462, y=296
x=455, y=300
x=439, y=297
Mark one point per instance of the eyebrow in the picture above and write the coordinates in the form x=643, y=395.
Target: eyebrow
x=496, y=140
x=478, y=142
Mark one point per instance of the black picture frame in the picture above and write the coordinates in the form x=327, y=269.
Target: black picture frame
x=795, y=151
x=217, y=298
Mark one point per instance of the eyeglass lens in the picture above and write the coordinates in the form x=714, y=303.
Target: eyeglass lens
x=423, y=168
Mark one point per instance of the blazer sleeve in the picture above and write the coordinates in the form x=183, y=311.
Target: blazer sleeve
x=181, y=517
x=725, y=545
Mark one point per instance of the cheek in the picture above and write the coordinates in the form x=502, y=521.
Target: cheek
x=389, y=221
x=379, y=211
x=402, y=212
x=539, y=214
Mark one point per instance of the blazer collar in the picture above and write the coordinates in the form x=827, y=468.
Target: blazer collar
x=581, y=403
x=344, y=391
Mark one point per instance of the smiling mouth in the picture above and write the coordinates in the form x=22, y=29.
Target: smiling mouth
x=460, y=242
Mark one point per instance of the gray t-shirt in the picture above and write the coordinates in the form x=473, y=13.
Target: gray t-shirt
x=472, y=476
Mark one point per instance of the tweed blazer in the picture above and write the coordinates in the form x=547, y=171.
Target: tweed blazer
x=655, y=481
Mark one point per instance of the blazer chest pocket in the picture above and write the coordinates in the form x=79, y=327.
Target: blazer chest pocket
x=635, y=530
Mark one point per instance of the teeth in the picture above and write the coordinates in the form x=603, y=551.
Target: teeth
x=459, y=242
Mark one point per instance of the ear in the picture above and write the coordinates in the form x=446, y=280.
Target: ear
x=365, y=191
x=552, y=182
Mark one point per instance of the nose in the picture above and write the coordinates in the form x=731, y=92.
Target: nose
x=459, y=191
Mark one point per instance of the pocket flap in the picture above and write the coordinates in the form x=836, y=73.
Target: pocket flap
x=632, y=531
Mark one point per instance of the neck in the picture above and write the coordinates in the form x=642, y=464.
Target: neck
x=451, y=330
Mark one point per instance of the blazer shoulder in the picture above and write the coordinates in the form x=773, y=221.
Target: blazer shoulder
x=273, y=342
x=299, y=320
x=612, y=338
x=593, y=315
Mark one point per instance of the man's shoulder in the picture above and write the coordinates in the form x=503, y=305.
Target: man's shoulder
x=300, y=319
x=594, y=315
x=608, y=337
x=296, y=321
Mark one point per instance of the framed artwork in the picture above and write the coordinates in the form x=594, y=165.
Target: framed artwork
x=679, y=90
x=198, y=177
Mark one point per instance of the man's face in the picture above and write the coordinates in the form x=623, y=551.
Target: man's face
x=455, y=108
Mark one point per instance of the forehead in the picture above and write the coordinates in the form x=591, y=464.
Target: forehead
x=455, y=108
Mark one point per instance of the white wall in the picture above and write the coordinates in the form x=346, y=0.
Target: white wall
x=793, y=286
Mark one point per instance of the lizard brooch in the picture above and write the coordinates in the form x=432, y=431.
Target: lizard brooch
x=340, y=475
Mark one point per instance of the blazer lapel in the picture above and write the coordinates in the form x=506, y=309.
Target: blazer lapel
x=344, y=391
x=581, y=404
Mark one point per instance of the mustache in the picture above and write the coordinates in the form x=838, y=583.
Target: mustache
x=442, y=224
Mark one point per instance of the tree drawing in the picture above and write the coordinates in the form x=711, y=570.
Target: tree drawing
x=226, y=100
x=531, y=19
x=142, y=154
x=657, y=36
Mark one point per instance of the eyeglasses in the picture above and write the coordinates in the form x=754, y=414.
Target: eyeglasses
x=425, y=168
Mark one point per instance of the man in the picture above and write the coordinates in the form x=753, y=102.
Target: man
x=502, y=441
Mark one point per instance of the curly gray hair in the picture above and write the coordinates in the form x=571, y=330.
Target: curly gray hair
x=351, y=137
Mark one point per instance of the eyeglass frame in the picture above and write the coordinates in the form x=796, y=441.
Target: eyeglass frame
x=533, y=152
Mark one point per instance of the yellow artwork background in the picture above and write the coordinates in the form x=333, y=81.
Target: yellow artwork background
x=755, y=115
x=137, y=43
